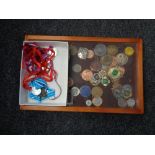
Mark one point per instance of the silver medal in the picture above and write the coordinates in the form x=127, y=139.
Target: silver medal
x=100, y=50
x=75, y=91
x=82, y=53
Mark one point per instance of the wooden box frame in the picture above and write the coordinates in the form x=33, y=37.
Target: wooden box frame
x=139, y=64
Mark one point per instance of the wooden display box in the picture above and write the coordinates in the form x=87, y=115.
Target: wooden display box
x=137, y=73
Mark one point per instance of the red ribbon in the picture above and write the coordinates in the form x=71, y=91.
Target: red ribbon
x=36, y=61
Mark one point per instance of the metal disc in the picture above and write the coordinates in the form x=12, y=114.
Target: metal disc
x=73, y=50
x=129, y=51
x=117, y=92
x=112, y=50
x=105, y=81
x=122, y=59
x=127, y=91
x=100, y=49
x=106, y=60
x=82, y=53
x=131, y=102
x=88, y=103
x=97, y=101
x=114, y=73
x=85, y=91
x=95, y=66
x=90, y=54
x=75, y=91
x=122, y=103
x=87, y=75
x=97, y=91
x=76, y=68
x=95, y=82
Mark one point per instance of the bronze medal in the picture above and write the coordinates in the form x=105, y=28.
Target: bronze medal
x=97, y=91
x=87, y=75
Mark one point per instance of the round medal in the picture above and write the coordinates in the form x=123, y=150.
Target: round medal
x=88, y=103
x=114, y=73
x=87, y=75
x=117, y=92
x=131, y=102
x=75, y=91
x=122, y=59
x=97, y=91
x=105, y=81
x=122, y=103
x=112, y=50
x=82, y=53
x=129, y=51
x=100, y=49
x=97, y=101
x=76, y=68
x=90, y=54
x=73, y=50
x=85, y=91
x=106, y=60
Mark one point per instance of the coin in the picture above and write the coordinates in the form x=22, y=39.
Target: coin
x=122, y=103
x=114, y=62
x=97, y=91
x=87, y=75
x=122, y=59
x=94, y=82
x=114, y=73
x=75, y=91
x=102, y=73
x=95, y=66
x=76, y=68
x=36, y=91
x=126, y=91
x=70, y=82
x=82, y=53
x=73, y=50
x=85, y=91
x=97, y=101
x=112, y=50
x=96, y=76
x=117, y=92
x=131, y=102
x=88, y=103
x=105, y=81
x=90, y=54
x=100, y=49
x=129, y=51
x=106, y=60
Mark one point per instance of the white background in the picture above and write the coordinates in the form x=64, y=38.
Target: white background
x=77, y=145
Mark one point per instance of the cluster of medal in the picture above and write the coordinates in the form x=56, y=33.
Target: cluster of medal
x=38, y=63
x=106, y=69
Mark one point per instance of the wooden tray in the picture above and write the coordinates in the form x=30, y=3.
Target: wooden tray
x=139, y=109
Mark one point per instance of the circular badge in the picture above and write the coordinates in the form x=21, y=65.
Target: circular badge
x=36, y=91
x=85, y=91
x=82, y=53
x=106, y=60
x=94, y=82
x=105, y=81
x=102, y=73
x=114, y=73
x=122, y=59
x=126, y=91
x=97, y=101
x=87, y=75
x=88, y=103
x=76, y=68
x=117, y=92
x=97, y=91
x=95, y=66
x=75, y=91
x=90, y=54
x=96, y=76
x=100, y=50
x=131, y=102
x=122, y=103
x=73, y=50
x=112, y=50
x=129, y=51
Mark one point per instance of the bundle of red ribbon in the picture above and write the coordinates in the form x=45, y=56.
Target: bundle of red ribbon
x=38, y=63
